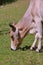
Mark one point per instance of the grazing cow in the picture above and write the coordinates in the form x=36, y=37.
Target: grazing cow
x=30, y=22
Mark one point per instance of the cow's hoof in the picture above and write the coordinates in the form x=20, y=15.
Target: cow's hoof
x=31, y=48
x=37, y=50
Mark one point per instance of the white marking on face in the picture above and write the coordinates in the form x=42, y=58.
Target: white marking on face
x=12, y=45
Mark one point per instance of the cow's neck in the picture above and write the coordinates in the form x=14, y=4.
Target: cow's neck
x=24, y=32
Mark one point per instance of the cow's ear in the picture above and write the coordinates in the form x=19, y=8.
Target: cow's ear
x=13, y=28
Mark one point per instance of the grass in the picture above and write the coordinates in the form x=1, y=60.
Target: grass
x=8, y=14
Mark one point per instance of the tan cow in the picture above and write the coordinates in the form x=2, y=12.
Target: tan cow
x=32, y=20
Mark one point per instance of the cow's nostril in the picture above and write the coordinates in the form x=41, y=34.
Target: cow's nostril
x=12, y=37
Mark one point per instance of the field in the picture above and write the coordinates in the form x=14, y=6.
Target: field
x=9, y=13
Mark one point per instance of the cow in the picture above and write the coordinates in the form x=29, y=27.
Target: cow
x=31, y=22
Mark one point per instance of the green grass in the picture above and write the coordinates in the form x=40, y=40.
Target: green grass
x=8, y=14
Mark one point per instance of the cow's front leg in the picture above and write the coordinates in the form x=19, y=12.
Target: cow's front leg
x=39, y=44
x=34, y=43
x=39, y=30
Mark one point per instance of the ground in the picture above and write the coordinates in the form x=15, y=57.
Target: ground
x=8, y=14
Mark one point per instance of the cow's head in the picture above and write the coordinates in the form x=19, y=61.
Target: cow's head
x=15, y=37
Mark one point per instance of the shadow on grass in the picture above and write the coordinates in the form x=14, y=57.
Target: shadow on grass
x=28, y=48
x=3, y=2
x=25, y=48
